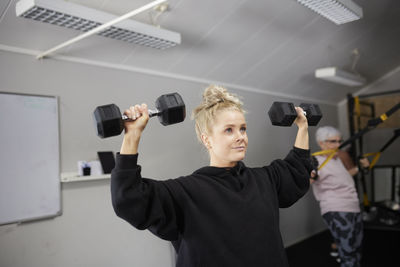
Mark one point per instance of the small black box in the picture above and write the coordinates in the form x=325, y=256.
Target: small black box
x=107, y=160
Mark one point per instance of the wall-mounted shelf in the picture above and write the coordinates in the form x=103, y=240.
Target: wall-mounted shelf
x=67, y=177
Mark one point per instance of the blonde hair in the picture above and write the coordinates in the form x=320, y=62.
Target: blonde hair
x=215, y=99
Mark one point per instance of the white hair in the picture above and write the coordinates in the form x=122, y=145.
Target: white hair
x=326, y=132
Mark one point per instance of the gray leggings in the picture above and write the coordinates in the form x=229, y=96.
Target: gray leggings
x=347, y=231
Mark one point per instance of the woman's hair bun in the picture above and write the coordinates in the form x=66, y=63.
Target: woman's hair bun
x=215, y=94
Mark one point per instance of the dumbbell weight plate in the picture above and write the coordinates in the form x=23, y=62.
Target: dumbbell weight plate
x=108, y=120
x=313, y=113
x=171, y=109
x=282, y=113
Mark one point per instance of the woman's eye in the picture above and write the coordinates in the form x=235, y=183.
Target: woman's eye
x=228, y=130
x=243, y=129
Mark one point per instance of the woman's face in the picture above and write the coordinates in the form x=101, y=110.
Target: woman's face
x=331, y=143
x=227, y=142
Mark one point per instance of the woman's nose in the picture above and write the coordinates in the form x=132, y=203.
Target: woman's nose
x=336, y=145
x=240, y=135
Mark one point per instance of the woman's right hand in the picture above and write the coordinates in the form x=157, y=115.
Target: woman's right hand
x=313, y=175
x=139, y=116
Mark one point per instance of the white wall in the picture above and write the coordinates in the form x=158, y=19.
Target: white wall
x=88, y=233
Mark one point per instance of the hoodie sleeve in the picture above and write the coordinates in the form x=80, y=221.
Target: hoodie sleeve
x=144, y=203
x=291, y=176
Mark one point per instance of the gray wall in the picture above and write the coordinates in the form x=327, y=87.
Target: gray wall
x=88, y=233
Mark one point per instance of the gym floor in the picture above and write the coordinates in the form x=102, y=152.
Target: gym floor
x=381, y=248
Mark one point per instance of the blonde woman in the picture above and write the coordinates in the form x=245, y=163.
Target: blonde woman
x=224, y=214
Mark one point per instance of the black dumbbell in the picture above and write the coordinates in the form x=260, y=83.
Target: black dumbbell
x=284, y=113
x=170, y=109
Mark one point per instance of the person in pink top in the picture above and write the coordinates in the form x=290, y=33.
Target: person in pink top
x=336, y=193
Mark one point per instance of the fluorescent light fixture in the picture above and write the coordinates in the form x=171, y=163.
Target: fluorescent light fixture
x=336, y=75
x=338, y=11
x=73, y=16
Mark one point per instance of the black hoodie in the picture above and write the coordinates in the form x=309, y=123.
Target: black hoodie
x=215, y=216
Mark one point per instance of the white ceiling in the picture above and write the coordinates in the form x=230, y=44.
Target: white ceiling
x=271, y=46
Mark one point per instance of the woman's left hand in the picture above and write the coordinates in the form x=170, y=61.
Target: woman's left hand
x=302, y=133
x=364, y=162
x=301, y=120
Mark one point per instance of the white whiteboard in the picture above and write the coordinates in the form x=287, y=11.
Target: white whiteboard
x=29, y=158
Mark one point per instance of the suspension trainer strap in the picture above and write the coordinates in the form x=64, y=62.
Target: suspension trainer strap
x=330, y=153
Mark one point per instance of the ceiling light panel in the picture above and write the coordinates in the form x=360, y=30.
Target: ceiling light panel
x=338, y=11
x=73, y=16
x=339, y=76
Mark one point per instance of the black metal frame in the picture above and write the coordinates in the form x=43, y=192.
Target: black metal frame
x=357, y=134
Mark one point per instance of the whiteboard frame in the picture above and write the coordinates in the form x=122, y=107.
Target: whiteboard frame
x=58, y=147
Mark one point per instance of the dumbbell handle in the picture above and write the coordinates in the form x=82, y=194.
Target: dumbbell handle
x=152, y=113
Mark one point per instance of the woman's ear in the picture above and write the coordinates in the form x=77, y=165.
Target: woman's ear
x=321, y=145
x=205, y=140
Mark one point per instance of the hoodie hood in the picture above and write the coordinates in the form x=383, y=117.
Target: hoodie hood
x=237, y=170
